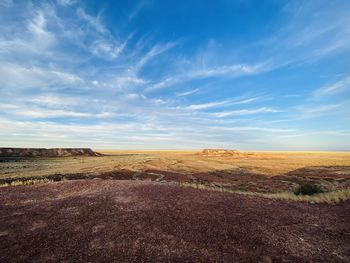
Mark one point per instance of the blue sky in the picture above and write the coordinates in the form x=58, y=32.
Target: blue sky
x=147, y=74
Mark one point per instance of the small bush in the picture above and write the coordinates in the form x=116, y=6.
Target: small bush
x=307, y=189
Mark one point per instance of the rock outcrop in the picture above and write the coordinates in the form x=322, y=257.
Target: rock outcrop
x=43, y=152
x=220, y=152
x=234, y=154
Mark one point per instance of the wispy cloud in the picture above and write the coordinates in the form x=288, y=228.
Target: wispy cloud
x=93, y=21
x=335, y=88
x=138, y=8
x=207, y=105
x=244, y=112
x=66, y=2
x=44, y=113
x=155, y=51
x=323, y=110
x=105, y=49
x=17, y=76
x=229, y=71
x=215, y=104
x=308, y=33
x=37, y=28
x=187, y=93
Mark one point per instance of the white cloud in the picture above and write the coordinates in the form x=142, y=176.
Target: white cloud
x=53, y=100
x=245, y=100
x=138, y=8
x=223, y=114
x=207, y=105
x=306, y=112
x=327, y=112
x=228, y=70
x=252, y=128
x=45, y=113
x=52, y=109
x=187, y=93
x=321, y=108
x=335, y=88
x=18, y=76
x=94, y=22
x=37, y=26
x=224, y=103
x=66, y=2
x=169, y=81
x=104, y=49
x=155, y=51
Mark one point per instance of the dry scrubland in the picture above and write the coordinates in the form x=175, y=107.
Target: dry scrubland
x=264, y=163
x=247, y=172
x=175, y=206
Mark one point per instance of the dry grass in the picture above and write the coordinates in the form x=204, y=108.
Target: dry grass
x=189, y=164
x=26, y=182
x=333, y=197
x=271, y=164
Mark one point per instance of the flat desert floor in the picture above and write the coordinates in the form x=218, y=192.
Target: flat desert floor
x=257, y=172
x=143, y=206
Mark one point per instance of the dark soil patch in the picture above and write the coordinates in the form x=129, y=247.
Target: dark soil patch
x=135, y=221
x=170, y=176
x=322, y=172
x=243, y=180
x=328, y=177
x=117, y=175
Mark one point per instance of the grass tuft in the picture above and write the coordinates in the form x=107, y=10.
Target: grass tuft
x=26, y=182
x=333, y=197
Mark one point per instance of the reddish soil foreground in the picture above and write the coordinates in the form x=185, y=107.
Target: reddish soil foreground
x=140, y=221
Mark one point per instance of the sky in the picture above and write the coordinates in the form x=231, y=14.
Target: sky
x=148, y=74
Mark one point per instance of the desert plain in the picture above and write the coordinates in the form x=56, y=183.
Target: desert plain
x=175, y=206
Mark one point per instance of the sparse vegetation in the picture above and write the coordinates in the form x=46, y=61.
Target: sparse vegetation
x=269, y=174
x=306, y=188
x=26, y=182
x=176, y=161
x=333, y=197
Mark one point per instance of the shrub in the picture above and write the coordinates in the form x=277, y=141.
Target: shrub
x=307, y=189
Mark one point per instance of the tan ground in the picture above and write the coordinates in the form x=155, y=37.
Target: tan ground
x=264, y=172
x=270, y=164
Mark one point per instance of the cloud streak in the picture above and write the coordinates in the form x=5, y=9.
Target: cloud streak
x=340, y=86
x=244, y=112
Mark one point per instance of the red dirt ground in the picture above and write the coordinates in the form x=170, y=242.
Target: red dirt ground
x=138, y=221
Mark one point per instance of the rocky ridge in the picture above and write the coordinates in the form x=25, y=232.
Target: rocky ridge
x=44, y=152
